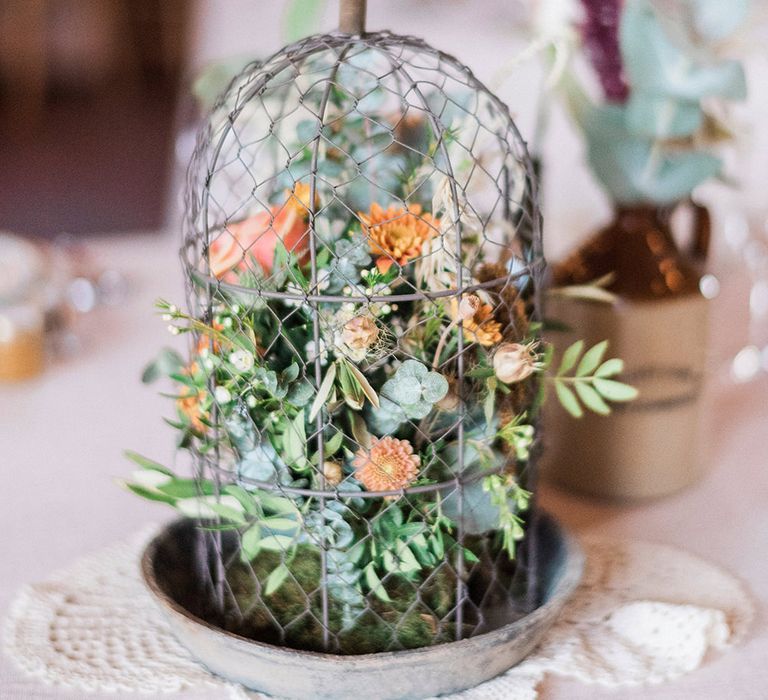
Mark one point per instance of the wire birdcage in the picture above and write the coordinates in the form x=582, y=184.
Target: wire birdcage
x=362, y=244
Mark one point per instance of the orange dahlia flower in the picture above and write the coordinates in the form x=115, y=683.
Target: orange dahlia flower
x=257, y=236
x=396, y=235
x=389, y=465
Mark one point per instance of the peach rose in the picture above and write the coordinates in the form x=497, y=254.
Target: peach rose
x=257, y=236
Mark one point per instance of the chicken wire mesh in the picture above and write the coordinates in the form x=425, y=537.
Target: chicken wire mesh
x=362, y=245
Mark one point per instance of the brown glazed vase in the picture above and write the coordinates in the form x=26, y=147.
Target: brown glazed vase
x=658, y=326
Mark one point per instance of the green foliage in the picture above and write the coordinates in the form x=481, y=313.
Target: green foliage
x=519, y=436
x=166, y=363
x=404, y=545
x=266, y=522
x=301, y=18
x=510, y=500
x=590, y=384
x=649, y=149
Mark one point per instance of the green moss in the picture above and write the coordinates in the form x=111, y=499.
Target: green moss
x=291, y=615
x=418, y=614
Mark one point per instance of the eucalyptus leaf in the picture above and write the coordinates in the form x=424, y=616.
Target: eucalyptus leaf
x=659, y=64
x=633, y=169
x=661, y=116
x=300, y=393
x=387, y=418
x=290, y=373
x=715, y=19
x=434, y=387
x=418, y=410
x=474, y=510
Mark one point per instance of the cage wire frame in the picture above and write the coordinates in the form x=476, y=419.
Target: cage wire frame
x=408, y=61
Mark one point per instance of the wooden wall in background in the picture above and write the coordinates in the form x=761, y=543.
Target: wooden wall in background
x=86, y=85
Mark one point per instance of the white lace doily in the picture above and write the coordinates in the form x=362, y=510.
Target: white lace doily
x=645, y=613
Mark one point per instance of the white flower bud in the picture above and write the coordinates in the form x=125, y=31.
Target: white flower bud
x=469, y=306
x=360, y=332
x=242, y=360
x=332, y=473
x=222, y=395
x=514, y=362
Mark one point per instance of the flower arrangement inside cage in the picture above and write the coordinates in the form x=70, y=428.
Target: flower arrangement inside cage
x=360, y=403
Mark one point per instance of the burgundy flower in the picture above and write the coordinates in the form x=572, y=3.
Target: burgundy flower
x=601, y=38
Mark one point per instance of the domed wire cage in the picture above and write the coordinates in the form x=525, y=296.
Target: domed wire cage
x=362, y=237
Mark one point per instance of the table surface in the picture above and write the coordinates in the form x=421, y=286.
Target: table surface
x=62, y=437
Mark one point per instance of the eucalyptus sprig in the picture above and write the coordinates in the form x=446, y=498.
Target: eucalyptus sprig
x=585, y=378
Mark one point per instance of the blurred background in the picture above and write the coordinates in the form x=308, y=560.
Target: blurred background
x=97, y=120
x=88, y=90
x=95, y=97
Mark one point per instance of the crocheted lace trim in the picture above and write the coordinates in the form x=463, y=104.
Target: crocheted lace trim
x=645, y=613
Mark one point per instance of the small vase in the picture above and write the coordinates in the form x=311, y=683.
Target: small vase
x=658, y=326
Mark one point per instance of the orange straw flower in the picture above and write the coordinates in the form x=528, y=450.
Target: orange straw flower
x=482, y=327
x=189, y=405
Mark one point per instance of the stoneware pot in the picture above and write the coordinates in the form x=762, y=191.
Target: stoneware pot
x=658, y=326
x=168, y=567
x=650, y=447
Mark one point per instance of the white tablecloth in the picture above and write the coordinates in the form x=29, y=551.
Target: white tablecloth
x=62, y=437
